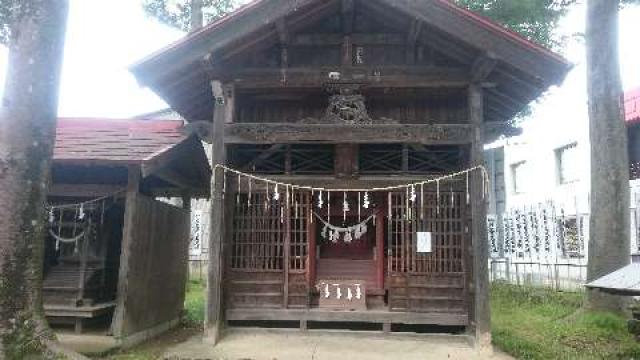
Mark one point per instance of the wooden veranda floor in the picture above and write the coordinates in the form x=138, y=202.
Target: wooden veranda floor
x=370, y=316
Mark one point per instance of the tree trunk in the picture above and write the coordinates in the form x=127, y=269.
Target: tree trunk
x=27, y=134
x=197, y=19
x=609, y=223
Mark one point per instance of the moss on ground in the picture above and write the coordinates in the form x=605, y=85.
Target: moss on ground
x=535, y=323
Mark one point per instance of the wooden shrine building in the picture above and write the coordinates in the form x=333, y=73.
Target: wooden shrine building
x=350, y=95
x=115, y=257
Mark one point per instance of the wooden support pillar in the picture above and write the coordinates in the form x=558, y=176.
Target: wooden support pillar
x=186, y=202
x=311, y=254
x=128, y=234
x=480, y=283
x=405, y=158
x=412, y=39
x=214, y=314
x=283, y=35
x=347, y=29
x=186, y=205
x=386, y=328
x=84, y=253
x=287, y=247
x=380, y=249
x=347, y=51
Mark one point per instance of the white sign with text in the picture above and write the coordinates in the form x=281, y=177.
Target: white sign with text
x=424, y=242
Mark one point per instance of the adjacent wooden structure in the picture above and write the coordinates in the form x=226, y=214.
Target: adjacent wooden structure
x=129, y=270
x=350, y=94
x=632, y=119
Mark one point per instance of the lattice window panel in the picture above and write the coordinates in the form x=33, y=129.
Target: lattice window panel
x=265, y=159
x=312, y=159
x=281, y=158
x=444, y=219
x=380, y=159
x=258, y=234
x=409, y=158
x=434, y=159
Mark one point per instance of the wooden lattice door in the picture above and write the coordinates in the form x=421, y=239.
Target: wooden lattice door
x=268, y=252
x=434, y=281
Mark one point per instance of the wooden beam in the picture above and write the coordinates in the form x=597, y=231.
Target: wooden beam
x=508, y=101
x=347, y=16
x=361, y=182
x=214, y=314
x=283, y=33
x=447, y=319
x=414, y=31
x=312, y=251
x=482, y=67
x=356, y=38
x=118, y=325
x=433, y=38
x=287, y=249
x=270, y=133
x=84, y=190
x=269, y=38
x=347, y=51
x=412, y=38
x=379, y=214
x=375, y=77
x=176, y=179
x=480, y=280
x=163, y=160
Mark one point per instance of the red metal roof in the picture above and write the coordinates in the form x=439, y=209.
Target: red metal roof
x=632, y=106
x=107, y=140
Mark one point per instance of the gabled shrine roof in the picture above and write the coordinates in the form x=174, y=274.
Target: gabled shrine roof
x=180, y=73
x=482, y=21
x=166, y=157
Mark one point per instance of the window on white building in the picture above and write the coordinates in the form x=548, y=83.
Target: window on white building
x=567, y=164
x=519, y=177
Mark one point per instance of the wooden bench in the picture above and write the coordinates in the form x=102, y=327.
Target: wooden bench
x=77, y=313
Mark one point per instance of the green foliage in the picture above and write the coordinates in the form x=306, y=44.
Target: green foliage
x=194, y=304
x=177, y=13
x=535, y=323
x=21, y=341
x=6, y=7
x=536, y=20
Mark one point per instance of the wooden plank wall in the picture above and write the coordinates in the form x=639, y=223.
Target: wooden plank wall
x=420, y=110
x=157, y=265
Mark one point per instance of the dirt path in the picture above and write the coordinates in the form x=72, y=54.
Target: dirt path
x=245, y=344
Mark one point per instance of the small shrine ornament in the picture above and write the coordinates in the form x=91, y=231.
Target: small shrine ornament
x=366, y=202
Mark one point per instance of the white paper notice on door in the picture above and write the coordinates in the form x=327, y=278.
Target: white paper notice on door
x=424, y=242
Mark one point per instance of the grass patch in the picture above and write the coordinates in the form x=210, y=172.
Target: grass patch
x=536, y=323
x=194, y=303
